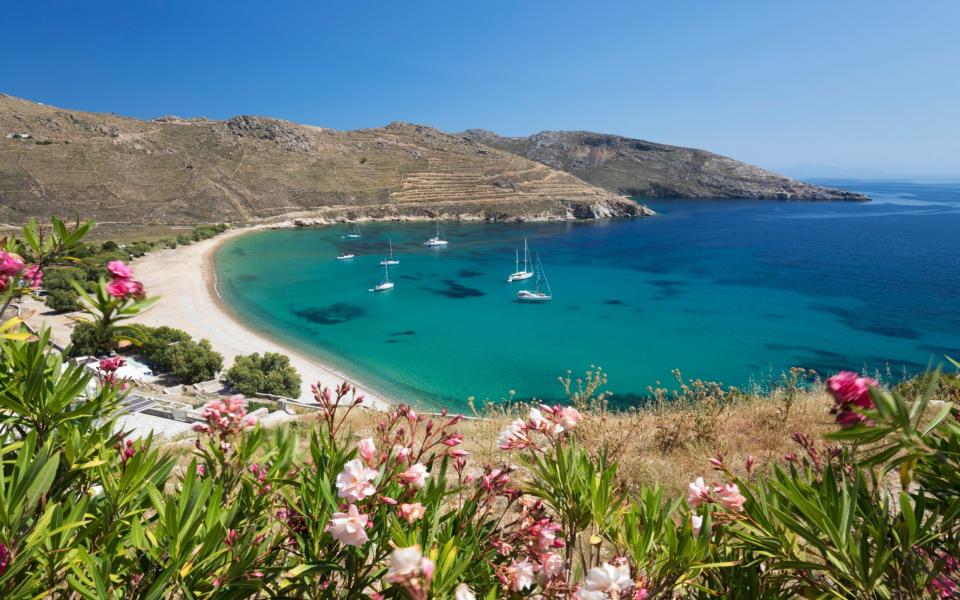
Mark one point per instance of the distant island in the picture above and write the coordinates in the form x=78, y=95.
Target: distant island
x=127, y=173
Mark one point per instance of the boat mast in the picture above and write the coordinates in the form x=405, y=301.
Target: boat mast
x=526, y=256
x=516, y=268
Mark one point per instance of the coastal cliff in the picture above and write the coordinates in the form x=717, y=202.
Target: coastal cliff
x=129, y=172
x=648, y=170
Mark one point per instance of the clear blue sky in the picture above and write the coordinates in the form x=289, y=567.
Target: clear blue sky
x=847, y=84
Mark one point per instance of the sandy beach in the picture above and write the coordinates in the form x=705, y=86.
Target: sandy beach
x=185, y=279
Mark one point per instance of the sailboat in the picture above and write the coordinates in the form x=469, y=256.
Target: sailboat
x=391, y=260
x=345, y=256
x=526, y=273
x=356, y=233
x=386, y=284
x=436, y=241
x=537, y=295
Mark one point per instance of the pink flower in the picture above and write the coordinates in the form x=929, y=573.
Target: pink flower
x=407, y=566
x=523, y=575
x=10, y=264
x=412, y=512
x=368, y=451
x=698, y=492
x=350, y=527
x=125, y=288
x=354, y=482
x=416, y=476
x=401, y=453
x=514, y=437
x=109, y=365
x=33, y=276
x=4, y=558
x=567, y=416
x=849, y=388
x=119, y=270
x=731, y=498
x=552, y=564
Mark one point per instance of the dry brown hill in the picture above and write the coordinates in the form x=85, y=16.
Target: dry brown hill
x=125, y=171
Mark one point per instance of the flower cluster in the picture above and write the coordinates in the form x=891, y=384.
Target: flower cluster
x=727, y=495
x=12, y=266
x=851, y=394
x=122, y=284
x=107, y=371
x=532, y=539
x=549, y=421
x=225, y=417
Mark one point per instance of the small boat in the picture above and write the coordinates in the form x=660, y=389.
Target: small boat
x=436, y=241
x=386, y=284
x=537, y=295
x=345, y=256
x=391, y=260
x=526, y=273
x=356, y=233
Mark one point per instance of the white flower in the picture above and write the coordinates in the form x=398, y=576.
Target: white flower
x=349, y=527
x=463, y=592
x=354, y=482
x=697, y=522
x=605, y=581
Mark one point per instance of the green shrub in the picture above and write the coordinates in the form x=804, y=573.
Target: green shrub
x=62, y=300
x=173, y=351
x=267, y=374
x=184, y=239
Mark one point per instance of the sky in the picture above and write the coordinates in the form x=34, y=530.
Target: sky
x=819, y=85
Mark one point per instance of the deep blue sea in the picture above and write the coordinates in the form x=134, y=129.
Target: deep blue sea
x=732, y=291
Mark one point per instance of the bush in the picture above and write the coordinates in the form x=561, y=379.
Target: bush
x=62, y=300
x=184, y=240
x=173, y=351
x=83, y=342
x=267, y=374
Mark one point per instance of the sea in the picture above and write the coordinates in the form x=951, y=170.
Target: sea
x=733, y=291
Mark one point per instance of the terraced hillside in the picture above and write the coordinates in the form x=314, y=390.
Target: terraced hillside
x=648, y=170
x=123, y=171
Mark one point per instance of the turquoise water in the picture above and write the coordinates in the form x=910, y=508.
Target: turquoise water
x=734, y=291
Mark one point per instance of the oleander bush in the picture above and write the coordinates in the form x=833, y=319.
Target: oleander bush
x=314, y=511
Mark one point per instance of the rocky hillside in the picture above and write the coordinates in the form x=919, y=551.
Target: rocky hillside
x=647, y=170
x=123, y=171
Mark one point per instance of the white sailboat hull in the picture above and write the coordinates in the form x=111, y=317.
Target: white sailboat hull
x=382, y=287
x=519, y=276
x=389, y=261
x=528, y=296
x=435, y=242
x=345, y=256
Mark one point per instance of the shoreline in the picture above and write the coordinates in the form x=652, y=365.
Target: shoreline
x=186, y=279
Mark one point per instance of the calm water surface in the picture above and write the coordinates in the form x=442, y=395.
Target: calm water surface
x=734, y=291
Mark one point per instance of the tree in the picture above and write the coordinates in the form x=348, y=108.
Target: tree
x=267, y=374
